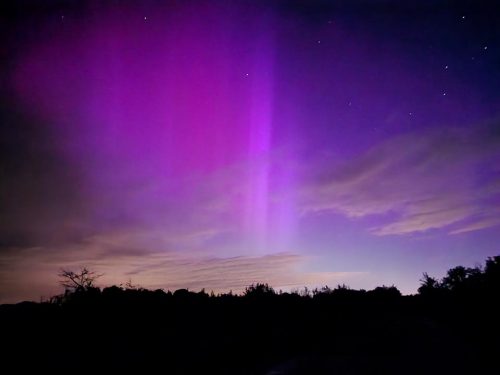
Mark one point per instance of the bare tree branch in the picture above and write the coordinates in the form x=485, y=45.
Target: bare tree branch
x=82, y=280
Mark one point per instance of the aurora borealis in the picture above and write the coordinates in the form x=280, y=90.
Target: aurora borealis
x=199, y=144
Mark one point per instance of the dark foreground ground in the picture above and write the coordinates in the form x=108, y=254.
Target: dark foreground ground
x=338, y=331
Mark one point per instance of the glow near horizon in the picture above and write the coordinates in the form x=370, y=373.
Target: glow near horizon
x=206, y=134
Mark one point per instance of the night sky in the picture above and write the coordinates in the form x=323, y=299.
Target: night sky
x=214, y=144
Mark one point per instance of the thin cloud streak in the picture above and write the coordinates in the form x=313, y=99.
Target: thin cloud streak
x=154, y=269
x=435, y=181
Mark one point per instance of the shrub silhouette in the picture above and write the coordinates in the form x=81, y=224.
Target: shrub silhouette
x=429, y=286
x=259, y=290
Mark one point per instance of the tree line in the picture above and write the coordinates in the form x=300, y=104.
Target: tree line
x=449, y=327
x=458, y=280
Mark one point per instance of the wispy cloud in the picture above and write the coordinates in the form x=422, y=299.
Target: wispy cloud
x=477, y=225
x=440, y=179
x=29, y=273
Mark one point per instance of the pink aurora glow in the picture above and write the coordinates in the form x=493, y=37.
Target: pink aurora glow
x=140, y=107
x=216, y=144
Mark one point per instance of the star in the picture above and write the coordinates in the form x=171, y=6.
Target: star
x=444, y=93
x=485, y=48
x=463, y=17
x=145, y=18
x=246, y=74
x=446, y=66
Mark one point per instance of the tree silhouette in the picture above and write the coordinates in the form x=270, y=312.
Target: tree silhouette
x=78, y=281
x=492, y=270
x=455, y=278
x=428, y=285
